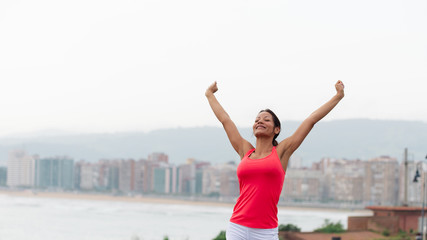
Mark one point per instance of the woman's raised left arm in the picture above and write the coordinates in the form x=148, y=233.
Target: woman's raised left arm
x=290, y=144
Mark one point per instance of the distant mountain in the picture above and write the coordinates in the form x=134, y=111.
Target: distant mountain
x=350, y=139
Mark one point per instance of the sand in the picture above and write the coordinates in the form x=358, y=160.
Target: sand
x=106, y=197
x=151, y=199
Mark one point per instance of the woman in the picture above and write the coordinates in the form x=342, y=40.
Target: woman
x=262, y=169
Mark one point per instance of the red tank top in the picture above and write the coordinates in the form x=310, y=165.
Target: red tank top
x=261, y=182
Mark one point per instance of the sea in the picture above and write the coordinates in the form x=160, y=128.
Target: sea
x=23, y=218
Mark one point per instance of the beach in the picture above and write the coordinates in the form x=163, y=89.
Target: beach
x=154, y=199
x=108, y=197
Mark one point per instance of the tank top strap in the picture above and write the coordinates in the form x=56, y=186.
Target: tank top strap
x=249, y=153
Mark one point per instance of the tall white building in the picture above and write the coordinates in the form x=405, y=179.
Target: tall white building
x=87, y=176
x=303, y=185
x=381, y=181
x=20, y=169
x=344, y=180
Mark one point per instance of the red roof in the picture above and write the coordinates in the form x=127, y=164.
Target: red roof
x=397, y=209
x=357, y=235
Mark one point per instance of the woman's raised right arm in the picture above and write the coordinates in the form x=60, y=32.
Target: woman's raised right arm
x=240, y=145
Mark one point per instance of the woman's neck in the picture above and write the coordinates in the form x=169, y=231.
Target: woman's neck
x=263, y=147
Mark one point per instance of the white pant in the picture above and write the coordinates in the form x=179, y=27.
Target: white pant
x=239, y=232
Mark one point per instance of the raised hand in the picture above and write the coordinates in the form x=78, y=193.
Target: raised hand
x=339, y=86
x=211, y=89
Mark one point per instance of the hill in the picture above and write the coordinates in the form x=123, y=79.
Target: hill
x=350, y=139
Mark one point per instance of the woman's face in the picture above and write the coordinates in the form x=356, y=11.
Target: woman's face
x=264, y=125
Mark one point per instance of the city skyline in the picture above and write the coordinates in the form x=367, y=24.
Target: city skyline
x=376, y=181
x=97, y=66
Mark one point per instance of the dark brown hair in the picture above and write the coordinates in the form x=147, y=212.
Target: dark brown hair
x=276, y=124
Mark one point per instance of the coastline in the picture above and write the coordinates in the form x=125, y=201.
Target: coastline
x=156, y=200
x=107, y=197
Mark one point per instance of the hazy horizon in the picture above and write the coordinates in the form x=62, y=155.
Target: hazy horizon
x=108, y=66
x=64, y=132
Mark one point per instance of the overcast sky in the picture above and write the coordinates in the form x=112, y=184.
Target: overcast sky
x=110, y=66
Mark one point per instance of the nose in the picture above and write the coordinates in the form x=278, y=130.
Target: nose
x=259, y=123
